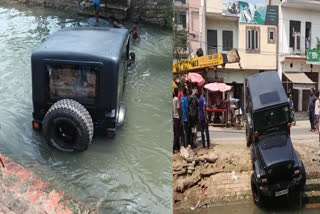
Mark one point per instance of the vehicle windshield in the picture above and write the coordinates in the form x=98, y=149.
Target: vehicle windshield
x=72, y=81
x=272, y=118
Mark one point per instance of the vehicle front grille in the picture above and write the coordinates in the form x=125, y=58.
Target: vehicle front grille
x=280, y=173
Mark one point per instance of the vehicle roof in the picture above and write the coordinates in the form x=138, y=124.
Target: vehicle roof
x=266, y=90
x=102, y=42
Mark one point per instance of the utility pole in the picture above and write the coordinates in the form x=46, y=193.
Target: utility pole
x=203, y=40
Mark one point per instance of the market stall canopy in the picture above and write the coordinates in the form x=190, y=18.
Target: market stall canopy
x=300, y=80
x=195, y=78
x=217, y=87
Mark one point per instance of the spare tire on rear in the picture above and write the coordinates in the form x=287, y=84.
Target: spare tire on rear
x=68, y=126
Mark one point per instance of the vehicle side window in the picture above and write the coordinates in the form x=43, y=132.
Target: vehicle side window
x=72, y=81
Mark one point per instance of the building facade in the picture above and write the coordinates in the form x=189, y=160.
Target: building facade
x=190, y=16
x=270, y=35
x=251, y=28
x=299, y=30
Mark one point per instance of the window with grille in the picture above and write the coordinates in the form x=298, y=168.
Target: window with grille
x=227, y=37
x=272, y=35
x=295, y=30
x=253, y=39
x=212, y=39
x=181, y=19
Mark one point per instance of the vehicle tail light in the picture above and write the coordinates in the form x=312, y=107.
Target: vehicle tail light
x=35, y=125
x=297, y=172
x=256, y=134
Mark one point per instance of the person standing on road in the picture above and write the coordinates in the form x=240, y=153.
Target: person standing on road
x=176, y=121
x=180, y=95
x=311, y=109
x=203, y=120
x=193, y=115
x=185, y=113
x=316, y=112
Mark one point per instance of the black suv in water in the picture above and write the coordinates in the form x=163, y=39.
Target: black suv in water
x=278, y=170
x=78, y=79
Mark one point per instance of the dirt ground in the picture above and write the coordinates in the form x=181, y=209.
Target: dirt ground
x=221, y=174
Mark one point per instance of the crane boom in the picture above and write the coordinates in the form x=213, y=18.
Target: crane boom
x=203, y=62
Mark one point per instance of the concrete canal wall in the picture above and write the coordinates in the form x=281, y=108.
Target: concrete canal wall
x=148, y=11
x=22, y=191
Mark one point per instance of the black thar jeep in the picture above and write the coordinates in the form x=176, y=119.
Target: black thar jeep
x=78, y=79
x=278, y=170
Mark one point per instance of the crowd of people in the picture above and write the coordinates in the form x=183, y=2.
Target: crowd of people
x=189, y=114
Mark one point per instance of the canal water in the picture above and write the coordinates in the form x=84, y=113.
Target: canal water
x=130, y=173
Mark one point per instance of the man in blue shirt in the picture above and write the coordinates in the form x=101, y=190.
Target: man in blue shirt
x=96, y=6
x=203, y=120
x=186, y=125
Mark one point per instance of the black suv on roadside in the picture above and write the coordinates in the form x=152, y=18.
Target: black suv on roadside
x=78, y=79
x=278, y=170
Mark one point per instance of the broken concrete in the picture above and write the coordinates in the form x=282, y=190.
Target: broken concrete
x=226, y=177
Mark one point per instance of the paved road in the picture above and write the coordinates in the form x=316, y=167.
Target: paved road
x=220, y=135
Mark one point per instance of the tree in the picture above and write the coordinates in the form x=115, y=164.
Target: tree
x=180, y=44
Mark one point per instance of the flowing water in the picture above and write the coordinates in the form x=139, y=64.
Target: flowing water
x=130, y=173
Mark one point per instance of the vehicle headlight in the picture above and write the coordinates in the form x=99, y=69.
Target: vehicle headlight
x=264, y=181
x=297, y=172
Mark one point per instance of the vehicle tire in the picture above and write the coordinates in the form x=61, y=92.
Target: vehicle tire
x=248, y=137
x=257, y=196
x=304, y=176
x=68, y=126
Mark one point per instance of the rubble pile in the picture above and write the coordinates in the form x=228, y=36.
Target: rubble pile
x=189, y=167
